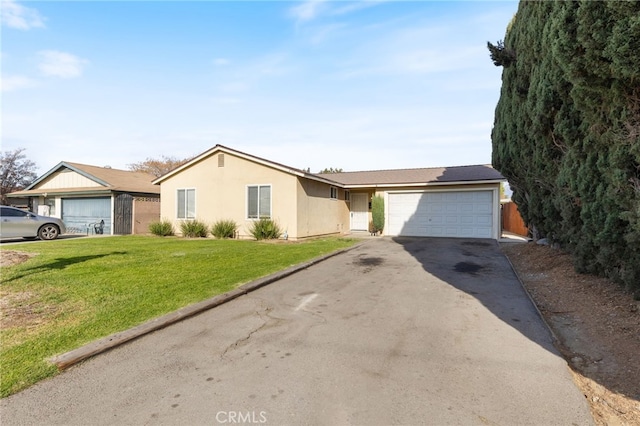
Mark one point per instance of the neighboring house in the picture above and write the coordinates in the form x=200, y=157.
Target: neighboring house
x=223, y=183
x=83, y=196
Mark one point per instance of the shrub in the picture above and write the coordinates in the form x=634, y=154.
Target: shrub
x=265, y=229
x=377, y=213
x=194, y=229
x=224, y=229
x=161, y=228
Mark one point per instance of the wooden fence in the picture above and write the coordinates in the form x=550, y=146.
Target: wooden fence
x=512, y=221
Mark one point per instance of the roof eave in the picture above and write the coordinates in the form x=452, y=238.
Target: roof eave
x=45, y=192
x=422, y=184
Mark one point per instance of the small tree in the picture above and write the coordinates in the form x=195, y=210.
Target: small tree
x=16, y=172
x=377, y=212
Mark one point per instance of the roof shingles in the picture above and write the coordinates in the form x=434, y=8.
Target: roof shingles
x=416, y=176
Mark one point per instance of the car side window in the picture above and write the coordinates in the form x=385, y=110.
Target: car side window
x=14, y=213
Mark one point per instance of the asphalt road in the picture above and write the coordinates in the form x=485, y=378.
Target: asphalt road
x=405, y=331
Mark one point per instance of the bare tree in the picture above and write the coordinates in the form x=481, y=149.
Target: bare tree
x=157, y=167
x=16, y=172
x=330, y=170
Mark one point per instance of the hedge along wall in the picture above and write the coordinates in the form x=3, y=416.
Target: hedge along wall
x=567, y=129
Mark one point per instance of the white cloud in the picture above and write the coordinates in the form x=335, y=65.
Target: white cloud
x=307, y=11
x=313, y=9
x=356, y=6
x=16, y=82
x=221, y=61
x=61, y=64
x=16, y=16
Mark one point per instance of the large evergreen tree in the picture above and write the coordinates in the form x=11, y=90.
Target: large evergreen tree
x=567, y=128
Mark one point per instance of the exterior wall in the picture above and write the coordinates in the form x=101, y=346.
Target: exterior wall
x=318, y=213
x=145, y=211
x=54, y=203
x=221, y=192
x=67, y=179
x=441, y=188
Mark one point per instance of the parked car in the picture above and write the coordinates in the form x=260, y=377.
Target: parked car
x=16, y=223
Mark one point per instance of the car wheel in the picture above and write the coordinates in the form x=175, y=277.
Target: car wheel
x=48, y=232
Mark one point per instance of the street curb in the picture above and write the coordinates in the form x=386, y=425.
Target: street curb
x=556, y=341
x=75, y=356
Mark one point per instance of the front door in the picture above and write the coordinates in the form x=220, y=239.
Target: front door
x=359, y=212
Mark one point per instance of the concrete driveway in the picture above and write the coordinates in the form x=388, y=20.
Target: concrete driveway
x=396, y=331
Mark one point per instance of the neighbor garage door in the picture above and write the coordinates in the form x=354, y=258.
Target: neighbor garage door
x=78, y=213
x=463, y=214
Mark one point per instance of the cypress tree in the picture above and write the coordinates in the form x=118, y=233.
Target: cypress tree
x=567, y=128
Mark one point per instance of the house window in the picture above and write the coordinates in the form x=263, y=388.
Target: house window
x=186, y=203
x=334, y=193
x=51, y=202
x=347, y=196
x=259, y=202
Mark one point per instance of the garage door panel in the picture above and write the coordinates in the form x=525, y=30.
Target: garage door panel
x=483, y=220
x=466, y=214
x=451, y=220
x=467, y=220
x=78, y=213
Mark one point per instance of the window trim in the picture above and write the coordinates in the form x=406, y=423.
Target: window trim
x=331, y=193
x=246, y=193
x=186, y=204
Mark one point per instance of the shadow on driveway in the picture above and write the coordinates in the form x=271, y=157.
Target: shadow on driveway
x=478, y=268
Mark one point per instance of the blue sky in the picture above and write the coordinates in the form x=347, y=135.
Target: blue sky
x=354, y=85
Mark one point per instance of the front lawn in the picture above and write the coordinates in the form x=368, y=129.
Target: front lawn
x=76, y=291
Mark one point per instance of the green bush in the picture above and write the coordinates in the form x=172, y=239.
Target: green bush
x=161, y=228
x=265, y=229
x=224, y=229
x=194, y=229
x=377, y=213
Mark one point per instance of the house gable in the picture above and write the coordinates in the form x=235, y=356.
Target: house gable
x=65, y=178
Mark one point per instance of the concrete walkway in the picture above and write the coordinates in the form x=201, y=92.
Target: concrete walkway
x=396, y=331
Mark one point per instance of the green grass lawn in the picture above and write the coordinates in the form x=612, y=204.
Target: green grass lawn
x=77, y=290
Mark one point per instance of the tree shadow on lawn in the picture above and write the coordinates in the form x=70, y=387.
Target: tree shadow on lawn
x=59, y=264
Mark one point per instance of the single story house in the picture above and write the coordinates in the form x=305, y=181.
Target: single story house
x=223, y=183
x=83, y=196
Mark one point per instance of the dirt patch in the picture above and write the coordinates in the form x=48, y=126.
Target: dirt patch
x=21, y=309
x=597, y=325
x=24, y=310
x=11, y=257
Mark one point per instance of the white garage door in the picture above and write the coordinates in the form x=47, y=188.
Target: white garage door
x=79, y=213
x=463, y=214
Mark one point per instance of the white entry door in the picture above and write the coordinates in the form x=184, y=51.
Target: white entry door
x=359, y=212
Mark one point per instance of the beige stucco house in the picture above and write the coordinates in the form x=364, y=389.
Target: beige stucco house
x=223, y=183
x=92, y=199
